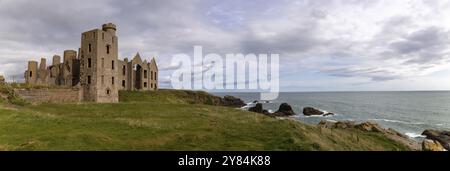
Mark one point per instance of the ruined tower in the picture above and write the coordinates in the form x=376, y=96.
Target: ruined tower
x=71, y=68
x=98, y=58
x=31, y=75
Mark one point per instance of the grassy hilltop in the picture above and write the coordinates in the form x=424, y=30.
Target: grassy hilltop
x=167, y=120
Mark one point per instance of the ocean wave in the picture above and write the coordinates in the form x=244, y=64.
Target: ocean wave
x=398, y=121
x=248, y=105
x=321, y=116
x=414, y=135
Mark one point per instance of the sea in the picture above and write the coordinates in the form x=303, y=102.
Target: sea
x=407, y=112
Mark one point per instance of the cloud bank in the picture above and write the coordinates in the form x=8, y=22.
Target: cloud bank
x=357, y=44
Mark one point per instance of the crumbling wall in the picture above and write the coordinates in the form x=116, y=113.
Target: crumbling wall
x=67, y=95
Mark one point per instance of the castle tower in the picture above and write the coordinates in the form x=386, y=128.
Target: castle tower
x=31, y=74
x=153, y=75
x=98, y=60
x=69, y=67
x=42, y=72
x=56, y=60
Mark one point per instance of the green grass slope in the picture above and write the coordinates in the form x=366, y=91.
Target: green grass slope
x=168, y=120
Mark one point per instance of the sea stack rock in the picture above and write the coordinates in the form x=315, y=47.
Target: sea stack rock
x=442, y=137
x=258, y=108
x=309, y=111
x=284, y=110
x=232, y=101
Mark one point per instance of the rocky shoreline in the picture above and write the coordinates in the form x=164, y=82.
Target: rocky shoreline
x=434, y=141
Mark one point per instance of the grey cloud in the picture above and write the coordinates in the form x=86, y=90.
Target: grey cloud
x=375, y=74
x=421, y=40
x=295, y=30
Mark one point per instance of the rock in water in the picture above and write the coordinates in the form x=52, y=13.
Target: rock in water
x=309, y=111
x=284, y=110
x=443, y=137
x=258, y=108
x=232, y=101
x=432, y=145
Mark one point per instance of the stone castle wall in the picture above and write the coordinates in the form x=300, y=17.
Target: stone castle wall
x=96, y=68
x=62, y=95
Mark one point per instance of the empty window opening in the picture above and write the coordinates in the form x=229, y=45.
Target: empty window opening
x=89, y=62
x=107, y=49
x=151, y=75
x=123, y=70
x=145, y=84
x=112, y=63
x=145, y=74
x=90, y=47
x=112, y=79
x=123, y=83
x=89, y=80
x=31, y=73
x=108, y=92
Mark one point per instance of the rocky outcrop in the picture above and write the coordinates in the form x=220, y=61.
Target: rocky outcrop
x=284, y=110
x=258, y=108
x=432, y=145
x=330, y=124
x=371, y=127
x=442, y=137
x=232, y=101
x=310, y=111
x=365, y=126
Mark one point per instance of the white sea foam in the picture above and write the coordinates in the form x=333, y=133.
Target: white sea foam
x=321, y=116
x=414, y=135
x=398, y=121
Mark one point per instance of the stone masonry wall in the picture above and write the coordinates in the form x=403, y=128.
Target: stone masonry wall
x=68, y=95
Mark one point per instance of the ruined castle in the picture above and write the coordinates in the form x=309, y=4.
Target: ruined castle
x=96, y=69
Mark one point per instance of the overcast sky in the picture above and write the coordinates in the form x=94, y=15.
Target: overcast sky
x=324, y=45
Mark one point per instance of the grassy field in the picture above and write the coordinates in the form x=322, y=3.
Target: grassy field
x=167, y=120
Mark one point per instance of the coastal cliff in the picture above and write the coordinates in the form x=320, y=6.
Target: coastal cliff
x=171, y=120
